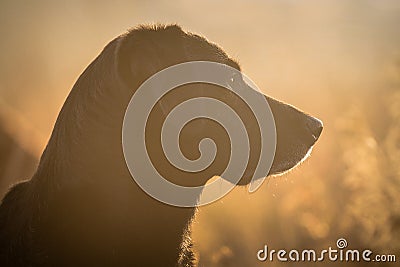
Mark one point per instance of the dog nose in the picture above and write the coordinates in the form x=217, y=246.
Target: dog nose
x=315, y=126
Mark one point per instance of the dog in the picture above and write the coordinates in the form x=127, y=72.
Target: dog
x=82, y=207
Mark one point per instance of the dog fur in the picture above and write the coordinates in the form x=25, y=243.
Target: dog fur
x=81, y=207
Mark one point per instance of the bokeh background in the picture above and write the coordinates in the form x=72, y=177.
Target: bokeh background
x=337, y=60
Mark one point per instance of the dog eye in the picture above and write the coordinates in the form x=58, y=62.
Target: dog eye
x=235, y=79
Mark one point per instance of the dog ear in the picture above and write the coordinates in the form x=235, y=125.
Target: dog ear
x=145, y=50
x=134, y=59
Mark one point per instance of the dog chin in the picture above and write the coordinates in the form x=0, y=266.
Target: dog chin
x=277, y=169
x=287, y=166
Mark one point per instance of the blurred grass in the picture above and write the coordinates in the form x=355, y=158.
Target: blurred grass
x=349, y=188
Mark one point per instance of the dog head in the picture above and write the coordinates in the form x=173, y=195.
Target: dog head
x=92, y=117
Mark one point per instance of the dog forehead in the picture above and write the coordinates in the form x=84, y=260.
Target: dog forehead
x=173, y=39
x=197, y=44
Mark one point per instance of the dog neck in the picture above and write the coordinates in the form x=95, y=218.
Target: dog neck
x=94, y=198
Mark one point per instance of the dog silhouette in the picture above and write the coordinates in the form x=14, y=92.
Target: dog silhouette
x=82, y=207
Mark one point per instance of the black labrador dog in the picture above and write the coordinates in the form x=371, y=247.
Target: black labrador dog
x=82, y=207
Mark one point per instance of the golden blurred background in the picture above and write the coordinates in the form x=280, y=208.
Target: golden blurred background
x=337, y=60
